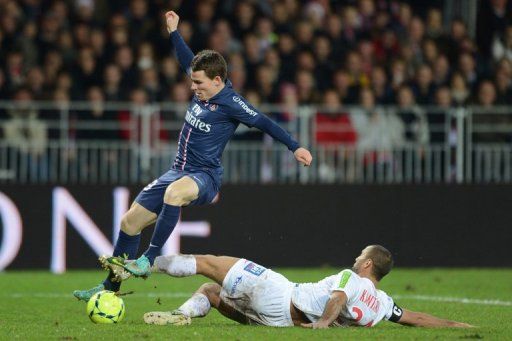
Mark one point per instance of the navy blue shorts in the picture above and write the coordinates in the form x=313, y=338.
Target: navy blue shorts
x=152, y=196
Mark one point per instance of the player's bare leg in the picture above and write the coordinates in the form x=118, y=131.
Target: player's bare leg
x=179, y=193
x=199, y=305
x=213, y=267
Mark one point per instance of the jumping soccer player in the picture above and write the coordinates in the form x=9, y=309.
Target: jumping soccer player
x=252, y=294
x=195, y=176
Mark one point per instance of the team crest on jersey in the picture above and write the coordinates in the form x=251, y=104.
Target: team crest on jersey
x=213, y=107
x=255, y=269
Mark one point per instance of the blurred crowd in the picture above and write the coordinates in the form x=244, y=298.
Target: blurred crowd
x=346, y=52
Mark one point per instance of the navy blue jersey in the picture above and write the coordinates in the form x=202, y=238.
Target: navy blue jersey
x=209, y=125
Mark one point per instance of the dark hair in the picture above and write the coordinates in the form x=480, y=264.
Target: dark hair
x=381, y=258
x=211, y=62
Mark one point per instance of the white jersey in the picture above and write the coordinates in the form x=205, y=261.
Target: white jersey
x=366, y=305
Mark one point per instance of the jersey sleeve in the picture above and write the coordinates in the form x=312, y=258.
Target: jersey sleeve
x=244, y=112
x=346, y=281
x=183, y=52
x=394, y=312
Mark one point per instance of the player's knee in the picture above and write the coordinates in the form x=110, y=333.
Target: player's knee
x=128, y=226
x=175, y=196
x=212, y=292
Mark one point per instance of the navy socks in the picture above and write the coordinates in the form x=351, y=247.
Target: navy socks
x=167, y=220
x=125, y=244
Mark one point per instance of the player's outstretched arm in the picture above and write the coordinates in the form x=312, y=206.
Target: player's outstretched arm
x=332, y=310
x=268, y=126
x=303, y=156
x=417, y=319
x=183, y=52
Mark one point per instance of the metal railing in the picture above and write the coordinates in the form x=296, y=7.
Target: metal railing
x=121, y=143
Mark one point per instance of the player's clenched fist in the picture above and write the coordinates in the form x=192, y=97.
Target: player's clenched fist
x=172, y=19
x=303, y=156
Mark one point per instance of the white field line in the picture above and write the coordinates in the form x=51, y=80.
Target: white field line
x=62, y=295
x=187, y=294
x=454, y=300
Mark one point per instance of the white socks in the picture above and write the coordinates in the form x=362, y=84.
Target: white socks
x=176, y=265
x=196, y=306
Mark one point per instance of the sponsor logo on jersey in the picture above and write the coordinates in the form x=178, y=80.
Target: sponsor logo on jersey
x=255, y=269
x=196, y=109
x=197, y=123
x=345, y=276
x=244, y=106
x=237, y=281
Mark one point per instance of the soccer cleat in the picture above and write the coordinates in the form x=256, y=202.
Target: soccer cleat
x=116, y=267
x=85, y=295
x=139, y=268
x=162, y=318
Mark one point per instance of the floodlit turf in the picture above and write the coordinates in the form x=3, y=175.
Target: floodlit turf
x=38, y=305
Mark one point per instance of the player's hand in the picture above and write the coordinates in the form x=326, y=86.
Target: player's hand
x=315, y=325
x=171, y=19
x=303, y=156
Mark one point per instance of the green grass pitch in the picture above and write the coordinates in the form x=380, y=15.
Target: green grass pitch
x=38, y=305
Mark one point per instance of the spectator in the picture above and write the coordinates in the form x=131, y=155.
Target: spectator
x=493, y=18
x=237, y=73
x=502, y=46
x=112, y=84
x=333, y=126
x=423, y=86
x=324, y=66
x=414, y=120
x=459, y=89
x=151, y=84
x=306, y=87
x=266, y=84
x=85, y=73
x=441, y=70
x=342, y=84
x=503, y=88
x=380, y=86
x=53, y=64
x=467, y=67
x=24, y=130
x=434, y=26
x=439, y=119
x=378, y=132
x=287, y=49
x=124, y=59
x=243, y=18
x=487, y=125
x=96, y=123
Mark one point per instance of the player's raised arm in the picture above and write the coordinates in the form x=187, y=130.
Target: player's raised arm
x=183, y=52
x=332, y=310
x=417, y=319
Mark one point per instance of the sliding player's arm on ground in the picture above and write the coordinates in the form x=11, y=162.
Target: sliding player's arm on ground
x=251, y=117
x=183, y=52
x=332, y=310
x=417, y=319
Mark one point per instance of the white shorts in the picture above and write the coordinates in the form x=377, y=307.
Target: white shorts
x=260, y=294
